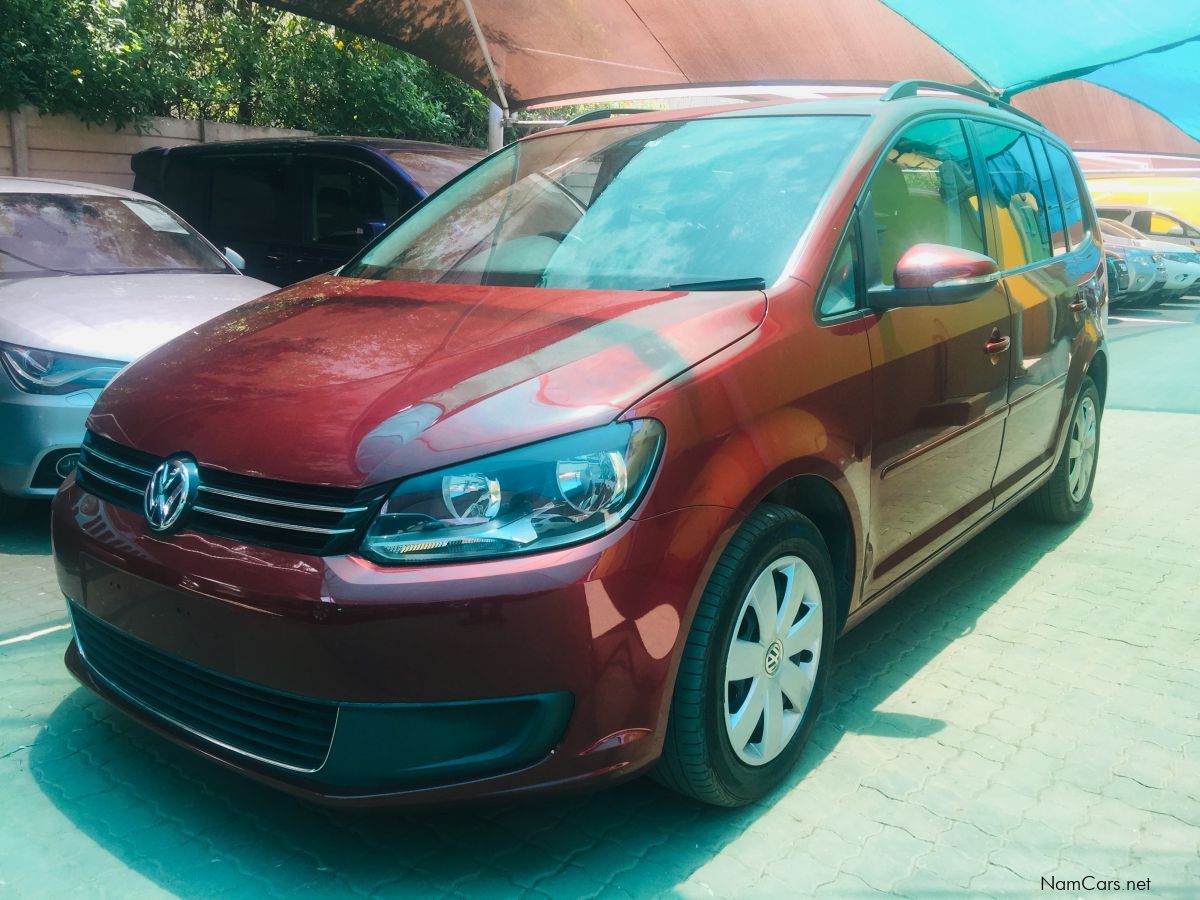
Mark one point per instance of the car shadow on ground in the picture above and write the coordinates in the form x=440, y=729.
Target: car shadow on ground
x=192, y=827
x=26, y=530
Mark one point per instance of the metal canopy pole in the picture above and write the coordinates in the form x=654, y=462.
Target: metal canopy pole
x=497, y=117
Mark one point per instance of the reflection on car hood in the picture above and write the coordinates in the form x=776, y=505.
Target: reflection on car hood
x=351, y=382
x=115, y=316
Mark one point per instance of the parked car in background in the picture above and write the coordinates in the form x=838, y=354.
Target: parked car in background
x=1157, y=224
x=1181, y=265
x=581, y=469
x=1146, y=274
x=296, y=207
x=1158, y=221
x=1119, y=279
x=90, y=278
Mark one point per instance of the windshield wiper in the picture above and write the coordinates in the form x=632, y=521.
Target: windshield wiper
x=720, y=284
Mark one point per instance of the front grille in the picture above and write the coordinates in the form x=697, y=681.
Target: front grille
x=283, y=730
x=301, y=518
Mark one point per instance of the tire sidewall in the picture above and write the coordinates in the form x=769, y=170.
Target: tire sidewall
x=793, y=538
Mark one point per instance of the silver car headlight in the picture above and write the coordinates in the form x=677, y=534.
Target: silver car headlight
x=545, y=495
x=47, y=372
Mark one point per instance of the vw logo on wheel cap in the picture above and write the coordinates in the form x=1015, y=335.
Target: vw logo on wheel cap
x=170, y=493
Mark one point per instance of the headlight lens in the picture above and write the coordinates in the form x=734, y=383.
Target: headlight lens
x=534, y=498
x=46, y=372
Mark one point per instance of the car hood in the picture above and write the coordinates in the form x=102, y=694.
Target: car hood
x=352, y=382
x=116, y=317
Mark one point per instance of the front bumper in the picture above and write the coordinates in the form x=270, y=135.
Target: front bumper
x=35, y=429
x=447, y=682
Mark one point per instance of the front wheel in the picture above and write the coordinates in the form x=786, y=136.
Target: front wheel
x=754, y=668
x=1064, y=498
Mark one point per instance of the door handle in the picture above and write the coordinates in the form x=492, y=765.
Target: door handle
x=997, y=344
x=1078, y=305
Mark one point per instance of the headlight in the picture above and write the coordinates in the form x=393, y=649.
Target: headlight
x=47, y=372
x=534, y=498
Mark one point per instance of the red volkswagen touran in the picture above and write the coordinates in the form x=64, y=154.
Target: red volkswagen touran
x=581, y=468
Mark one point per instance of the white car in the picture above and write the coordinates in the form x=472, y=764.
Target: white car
x=91, y=277
x=1182, y=265
x=1153, y=222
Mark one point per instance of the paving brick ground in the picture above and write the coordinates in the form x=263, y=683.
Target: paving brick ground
x=1029, y=709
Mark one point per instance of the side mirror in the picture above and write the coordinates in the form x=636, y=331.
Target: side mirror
x=1175, y=231
x=235, y=259
x=371, y=230
x=937, y=275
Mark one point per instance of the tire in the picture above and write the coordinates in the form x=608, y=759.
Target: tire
x=699, y=758
x=1061, y=499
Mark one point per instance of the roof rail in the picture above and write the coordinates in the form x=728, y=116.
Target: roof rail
x=910, y=88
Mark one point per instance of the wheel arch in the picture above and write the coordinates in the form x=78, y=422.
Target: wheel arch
x=1097, y=370
x=818, y=499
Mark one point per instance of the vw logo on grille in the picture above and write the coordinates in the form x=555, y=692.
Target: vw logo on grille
x=170, y=493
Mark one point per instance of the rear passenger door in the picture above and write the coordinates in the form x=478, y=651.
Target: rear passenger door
x=939, y=373
x=254, y=208
x=1052, y=274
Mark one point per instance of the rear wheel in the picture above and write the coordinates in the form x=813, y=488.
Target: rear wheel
x=754, y=669
x=1064, y=498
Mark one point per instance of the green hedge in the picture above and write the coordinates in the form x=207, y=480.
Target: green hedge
x=228, y=60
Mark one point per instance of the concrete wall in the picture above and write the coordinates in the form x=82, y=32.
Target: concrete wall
x=63, y=147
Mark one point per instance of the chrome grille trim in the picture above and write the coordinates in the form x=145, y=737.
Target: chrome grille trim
x=268, y=523
x=319, y=520
x=92, y=473
x=292, y=504
x=120, y=464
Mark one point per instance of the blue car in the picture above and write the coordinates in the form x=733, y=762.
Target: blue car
x=296, y=207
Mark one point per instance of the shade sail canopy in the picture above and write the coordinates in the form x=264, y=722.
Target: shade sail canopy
x=538, y=51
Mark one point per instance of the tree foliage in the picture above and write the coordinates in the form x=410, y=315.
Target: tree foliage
x=229, y=60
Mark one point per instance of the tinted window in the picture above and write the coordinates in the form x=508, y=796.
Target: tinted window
x=249, y=197
x=1023, y=229
x=841, y=290
x=633, y=207
x=345, y=198
x=925, y=192
x=1119, y=214
x=1068, y=189
x=53, y=234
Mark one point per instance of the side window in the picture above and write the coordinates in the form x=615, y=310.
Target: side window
x=1068, y=190
x=1022, y=227
x=1117, y=215
x=841, y=289
x=1165, y=225
x=345, y=198
x=1060, y=242
x=249, y=197
x=924, y=191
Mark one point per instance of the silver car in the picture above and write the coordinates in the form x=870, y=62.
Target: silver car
x=91, y=277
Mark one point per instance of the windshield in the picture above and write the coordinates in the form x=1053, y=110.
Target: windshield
x=429, y=170
x=63, y=234
x=712, y=202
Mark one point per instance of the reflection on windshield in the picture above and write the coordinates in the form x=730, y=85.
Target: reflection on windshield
x=61, y=234
x=637, y=207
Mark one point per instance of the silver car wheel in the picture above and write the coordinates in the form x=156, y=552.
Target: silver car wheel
x=771, y=664
x=1081, y=452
